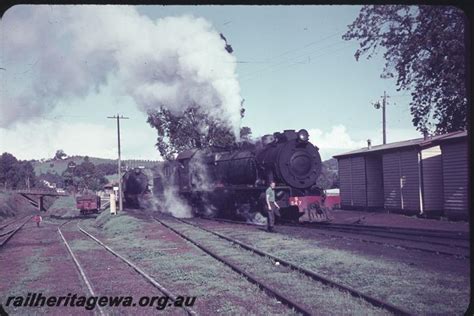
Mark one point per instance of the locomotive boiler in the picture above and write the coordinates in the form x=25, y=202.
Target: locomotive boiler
x=231, y=183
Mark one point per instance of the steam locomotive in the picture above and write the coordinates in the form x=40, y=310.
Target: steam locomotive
x=135, y=187
x=232, y=183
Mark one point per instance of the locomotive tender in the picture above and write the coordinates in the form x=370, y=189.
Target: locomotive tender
x=232, y=183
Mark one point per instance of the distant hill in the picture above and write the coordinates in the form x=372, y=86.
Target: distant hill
x=60, y=165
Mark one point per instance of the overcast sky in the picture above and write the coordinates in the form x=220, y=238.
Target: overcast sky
x=66, y=68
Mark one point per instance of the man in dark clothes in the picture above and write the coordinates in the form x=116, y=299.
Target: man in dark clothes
x=272, y=205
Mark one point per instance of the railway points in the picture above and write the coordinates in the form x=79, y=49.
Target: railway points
x=11, y=229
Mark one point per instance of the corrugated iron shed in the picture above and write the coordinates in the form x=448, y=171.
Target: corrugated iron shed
x=413, y=176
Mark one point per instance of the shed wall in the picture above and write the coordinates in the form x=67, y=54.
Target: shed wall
x=352, y=182
x=455, y=178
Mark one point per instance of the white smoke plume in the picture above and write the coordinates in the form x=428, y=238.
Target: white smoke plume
x=199, y=173
x=63, y=52
x=168, y=200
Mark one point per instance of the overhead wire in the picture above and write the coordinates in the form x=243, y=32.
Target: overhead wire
x=286, y=64
x=277, y=63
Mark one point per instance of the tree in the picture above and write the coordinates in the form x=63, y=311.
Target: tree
x=60, y=154
x=329, y=178
x=425, y=51
x=50, y=177
x=84, y=176
x=15, y=174
x=192, y=129
x=245, y=133
x=107, y=168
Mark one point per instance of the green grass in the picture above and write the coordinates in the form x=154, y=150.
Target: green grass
x=14, y=205
x=186, y=272
x=36, y=265
x=320, y=298
x=59, y=166
x=64, y=206
x=415, y=288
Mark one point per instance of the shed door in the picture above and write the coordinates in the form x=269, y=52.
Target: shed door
x=432, y=167
x=391, y=181
x=373, y=166
x=401, y=180
x=359, y=194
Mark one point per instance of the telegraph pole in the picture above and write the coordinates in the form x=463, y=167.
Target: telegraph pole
x=119, y=117
x=384, y=124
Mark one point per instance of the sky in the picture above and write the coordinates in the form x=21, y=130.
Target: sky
x=65, y=69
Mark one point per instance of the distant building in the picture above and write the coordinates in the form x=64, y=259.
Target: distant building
x=417, y=176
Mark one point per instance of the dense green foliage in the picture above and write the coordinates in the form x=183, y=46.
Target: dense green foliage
x=425, y=51
x=84, y=176
x=15, y=174
x=329, y=177
x=192, y=129
x=60, y=154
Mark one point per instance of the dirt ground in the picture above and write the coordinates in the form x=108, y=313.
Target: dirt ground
x=36, y=260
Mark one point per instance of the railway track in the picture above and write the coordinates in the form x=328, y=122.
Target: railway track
x=9, y=230
x=265, y=286
x=434, y=242
x=426, y=233
x=128, y=264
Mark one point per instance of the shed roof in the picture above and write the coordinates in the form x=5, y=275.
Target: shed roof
x=417, y=142
x=186, y=154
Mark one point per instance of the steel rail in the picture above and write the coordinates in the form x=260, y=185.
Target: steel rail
x=317, y=277
x=434, y=233
x=392, y=230
x=428, y=232
x=6, y=233
x=442, y=252
x=8, y=224
x=13, y=232
x=389, y=235
x=78, y=266
x=165, y=291
x=250, y=277
x=13, y=221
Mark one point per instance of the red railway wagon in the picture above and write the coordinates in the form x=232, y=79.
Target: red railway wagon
x=88, y=204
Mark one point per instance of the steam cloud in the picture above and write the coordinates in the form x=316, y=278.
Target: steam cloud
x=169, y=201
x=63, y=52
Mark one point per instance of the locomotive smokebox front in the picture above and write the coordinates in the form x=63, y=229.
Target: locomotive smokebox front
x=290, y=158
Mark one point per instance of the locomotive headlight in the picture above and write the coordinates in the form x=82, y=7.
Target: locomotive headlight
x=303, y=135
